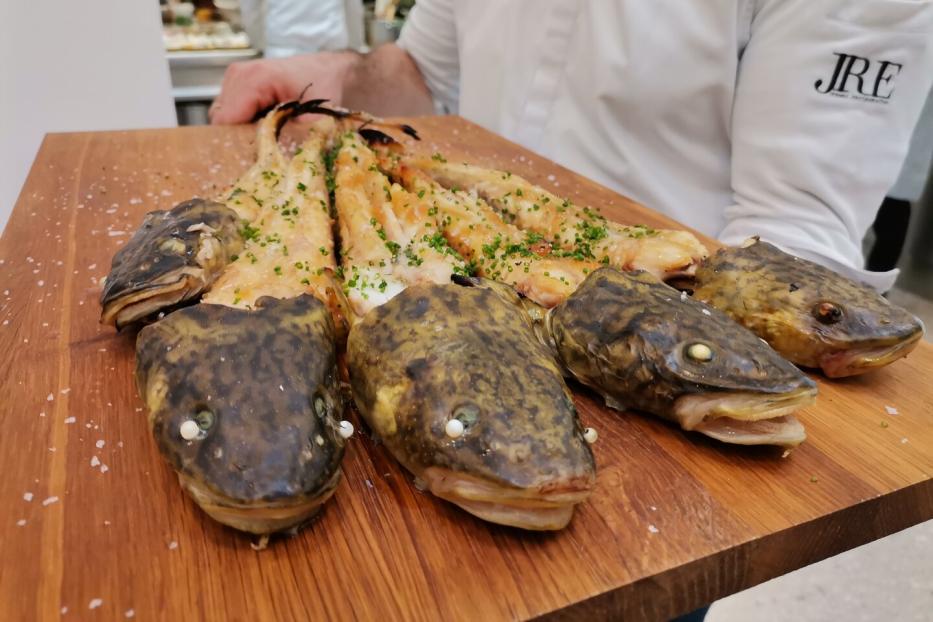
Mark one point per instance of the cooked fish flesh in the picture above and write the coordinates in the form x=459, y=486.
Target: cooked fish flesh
x=453, y=381
x=578, y=231
x=811, y=315
x=496, y=250
x=641, y=344
x=381, y=256
x=289, y=245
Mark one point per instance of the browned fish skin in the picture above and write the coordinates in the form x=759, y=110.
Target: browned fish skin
x=627, y=335
x=810, y=314
x=167, y=249
x=437, y=352
x=268, y=378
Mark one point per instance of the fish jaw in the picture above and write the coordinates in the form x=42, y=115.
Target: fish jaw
x=544, y=508
x=746, y=418
x=258, y=518
x=856, y=361
x=784, y=431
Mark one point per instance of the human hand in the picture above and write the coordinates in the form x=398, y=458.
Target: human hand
x=251, y=86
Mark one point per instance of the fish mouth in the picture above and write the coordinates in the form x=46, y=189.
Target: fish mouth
x=260, y=518
x=859, y=361
x=541, y=508
x=135, y=305
x=745, y=418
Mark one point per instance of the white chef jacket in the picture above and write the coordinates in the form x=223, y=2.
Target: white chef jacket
x=787, y=119
x=284, y=28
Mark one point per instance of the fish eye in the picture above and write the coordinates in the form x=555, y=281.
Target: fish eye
x=827, y=312
x=204, y=419
x=467, y=414
x=699, y=352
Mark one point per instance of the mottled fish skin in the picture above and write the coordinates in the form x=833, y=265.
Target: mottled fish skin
x=781, y=298
x=626, y=335
x=177, y=254
x=269, y=379
x=437, y=352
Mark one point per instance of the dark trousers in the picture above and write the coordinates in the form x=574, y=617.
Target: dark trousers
x=890, y=229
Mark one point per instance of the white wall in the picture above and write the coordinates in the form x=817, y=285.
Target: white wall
x=70, y=65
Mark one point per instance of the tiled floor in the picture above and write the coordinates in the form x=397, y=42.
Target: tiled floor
x=889, y=579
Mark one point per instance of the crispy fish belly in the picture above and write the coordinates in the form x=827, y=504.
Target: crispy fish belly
x=643, y=345
x=244, y=406
x=579, y=230
x=381, y=252
x=496, y=249
x=813, y=316
x=454, y=382
x=172, y=258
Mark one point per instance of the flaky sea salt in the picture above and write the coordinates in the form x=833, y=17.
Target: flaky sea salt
x=891, y=410
x=104, y=468
x=653, y=529
x=21, y=522
x=69, y=420
x=27, y=496
x=50, y=501
x=99, y=444
x=172, y=545
x=49, y=397
x=95, y=603
x=95, y=461
x=129, y=613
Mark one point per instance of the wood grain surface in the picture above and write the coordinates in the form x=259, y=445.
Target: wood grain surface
x=94, y=524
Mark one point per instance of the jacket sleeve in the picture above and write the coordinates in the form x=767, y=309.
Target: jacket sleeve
x=827, y=97
x=430, y=37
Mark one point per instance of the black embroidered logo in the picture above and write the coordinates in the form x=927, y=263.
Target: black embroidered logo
x=861, y=78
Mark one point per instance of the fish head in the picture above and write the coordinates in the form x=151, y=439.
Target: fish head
x=642, y=344
x=245, y=406
x=173, y=257
x=453, y=381
x=814, y=316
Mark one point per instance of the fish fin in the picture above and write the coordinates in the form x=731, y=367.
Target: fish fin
x=316, y=106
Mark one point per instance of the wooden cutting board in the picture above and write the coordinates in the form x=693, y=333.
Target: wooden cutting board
x=676, y=520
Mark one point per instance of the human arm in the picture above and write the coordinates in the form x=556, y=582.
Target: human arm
x=384, y=82
x=828, y=94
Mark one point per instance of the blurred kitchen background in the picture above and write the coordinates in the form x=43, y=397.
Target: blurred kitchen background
x=139, y=63
x=202, y=38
